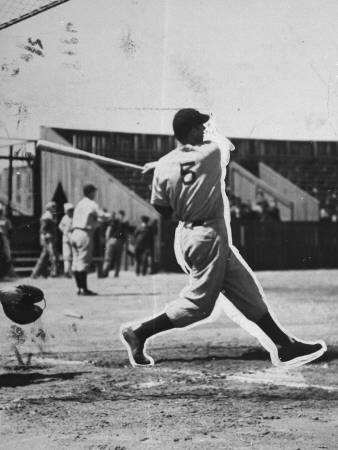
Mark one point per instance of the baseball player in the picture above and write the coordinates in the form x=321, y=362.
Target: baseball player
x=189, y=182
x=144, y=243
x=65, y=226
x=48, y=240
x=85, y=220
x=116, y=238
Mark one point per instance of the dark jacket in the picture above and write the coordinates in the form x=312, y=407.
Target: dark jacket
x=118, y=230
x=143, y=237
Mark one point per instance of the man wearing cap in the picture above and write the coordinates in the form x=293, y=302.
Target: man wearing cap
x=189, y=182
x=85, y=220
x=48, y=241
x=65, y=226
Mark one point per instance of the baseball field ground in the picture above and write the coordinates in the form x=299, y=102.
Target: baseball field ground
x=66, y=382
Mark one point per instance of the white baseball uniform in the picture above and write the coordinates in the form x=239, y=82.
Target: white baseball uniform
x=85, y=218
x=65, y=226
x=190, y=179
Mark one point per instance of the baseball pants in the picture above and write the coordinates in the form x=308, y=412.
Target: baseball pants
x=113, y=255
x=142, y=256
x=82, y=250
x=67, y=255
x=49, y=254
x=215, y=267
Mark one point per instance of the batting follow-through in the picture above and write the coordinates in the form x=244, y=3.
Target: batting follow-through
x=188, y=184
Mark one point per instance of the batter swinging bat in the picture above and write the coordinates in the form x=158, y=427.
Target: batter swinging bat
x=60, y=149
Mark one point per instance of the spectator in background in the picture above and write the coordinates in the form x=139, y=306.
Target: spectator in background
x=7, y=269
x=85, y=220
x=143, y=238
x=324, y=215
x=314, y=192
x=245, y=211
x=256, y=212
x=116, y=239
x=65, y=226
x=48, y=240
x=262, y=202
x=273, y=212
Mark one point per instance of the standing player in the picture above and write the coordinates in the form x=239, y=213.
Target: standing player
x=85, y=220
x=48, y=240
x=189, y=181
x=116, y=239
x=144, y=243
x=65, y=226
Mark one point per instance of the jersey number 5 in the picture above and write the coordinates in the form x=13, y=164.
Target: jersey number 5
x=188, y=175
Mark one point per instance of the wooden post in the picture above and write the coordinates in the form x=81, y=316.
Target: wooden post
x=10, y=182
x=37, y=201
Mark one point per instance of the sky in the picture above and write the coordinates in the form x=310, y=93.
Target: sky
x=266, y=68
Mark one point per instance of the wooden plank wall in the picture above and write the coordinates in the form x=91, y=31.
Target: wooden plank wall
x=306, y=207
x=74, y=173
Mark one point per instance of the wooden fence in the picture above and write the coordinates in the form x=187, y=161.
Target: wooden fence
x=272, y=246
x=265, y=246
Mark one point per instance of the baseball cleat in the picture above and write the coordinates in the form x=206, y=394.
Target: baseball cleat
x=86, y=292
x=300, y=353
x=135, y=347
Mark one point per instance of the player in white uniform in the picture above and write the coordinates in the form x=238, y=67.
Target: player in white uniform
x=85, y=220
x=189, y=181
x=65, y=226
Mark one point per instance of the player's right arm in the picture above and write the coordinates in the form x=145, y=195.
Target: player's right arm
x=97, y=212
x=159, y=198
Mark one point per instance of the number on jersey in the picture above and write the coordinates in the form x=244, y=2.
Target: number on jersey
x=188, y=175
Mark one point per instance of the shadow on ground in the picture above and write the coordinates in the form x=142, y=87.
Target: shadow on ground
x=239, y=354
x=24, y=379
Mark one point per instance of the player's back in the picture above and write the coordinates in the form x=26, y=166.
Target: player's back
x=189, y=180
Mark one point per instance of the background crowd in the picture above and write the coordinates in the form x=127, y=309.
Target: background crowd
x=84, y=232
x=113, y=240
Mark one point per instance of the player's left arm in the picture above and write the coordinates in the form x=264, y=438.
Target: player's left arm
x=165, y=211
x=225, y=146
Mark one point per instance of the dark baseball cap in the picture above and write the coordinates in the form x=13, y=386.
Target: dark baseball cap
x=185, y=119
x=89, y=188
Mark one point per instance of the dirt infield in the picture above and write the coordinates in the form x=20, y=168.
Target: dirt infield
x=66, y=382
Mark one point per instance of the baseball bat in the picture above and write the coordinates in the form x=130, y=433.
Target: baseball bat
x=66, y=150
x=69, y=313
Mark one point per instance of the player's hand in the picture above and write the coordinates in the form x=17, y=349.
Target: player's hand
x=149, y=166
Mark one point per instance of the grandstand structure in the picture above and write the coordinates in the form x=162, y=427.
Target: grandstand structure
x=312, y=166
x=299, y=177
x=288, y=172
